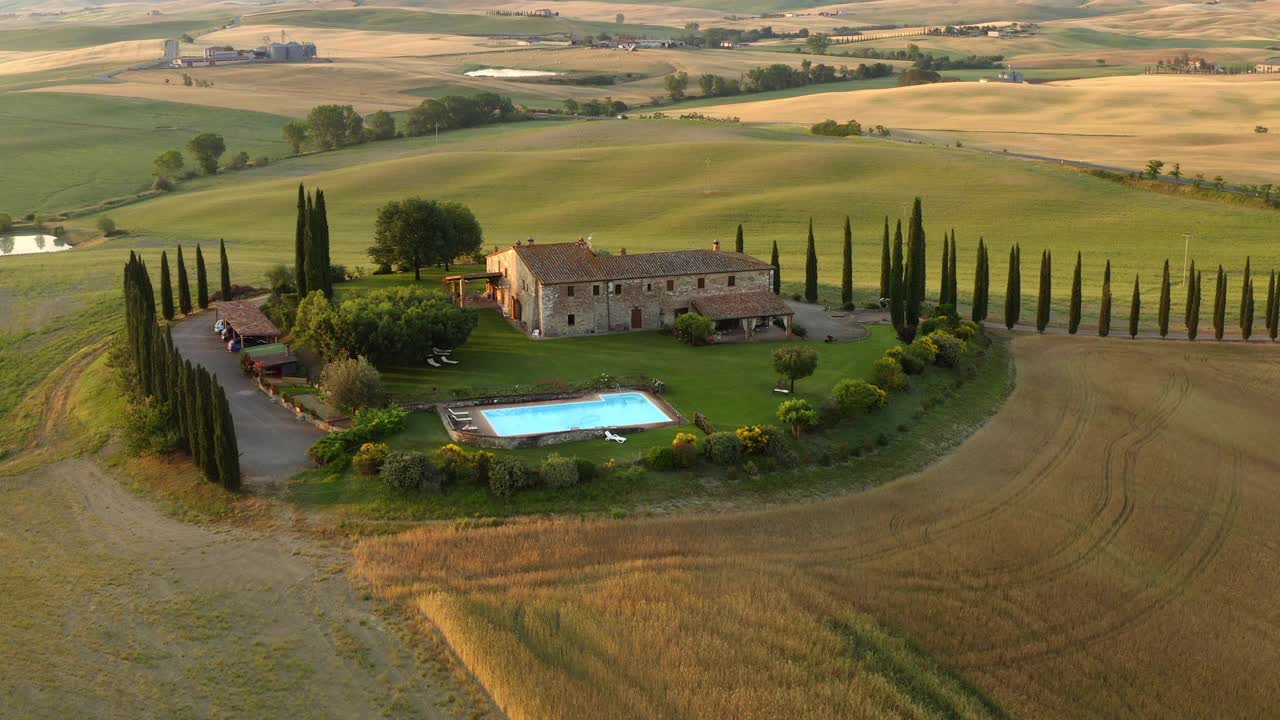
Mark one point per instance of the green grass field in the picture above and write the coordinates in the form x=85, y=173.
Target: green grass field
x=67, y=151
x=409, y=21
x=70, y=37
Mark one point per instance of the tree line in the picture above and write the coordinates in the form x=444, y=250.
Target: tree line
x=902, y=286
x=206, y=151
x=189, y=401
x=328, y=127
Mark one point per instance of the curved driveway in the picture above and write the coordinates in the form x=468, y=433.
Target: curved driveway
x=273, y=442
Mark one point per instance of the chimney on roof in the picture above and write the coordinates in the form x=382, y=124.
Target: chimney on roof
x=530, y=239
x=519, y=243
x=715, y=245
x=623, y=251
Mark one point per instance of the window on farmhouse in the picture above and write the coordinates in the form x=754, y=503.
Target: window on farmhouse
x=702, y=282
x=732, y=281
x=617, y=289
x=570, y=291
x=570, y=320
x=595, y=289
x=671, y=285
x=648, y=287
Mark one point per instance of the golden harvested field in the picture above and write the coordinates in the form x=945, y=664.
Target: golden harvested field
x=1204, y=123
x=1104, y=547
x=1231, y=22
x=121, y=53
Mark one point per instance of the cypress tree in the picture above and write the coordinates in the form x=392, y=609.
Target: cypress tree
x=1220, y=305
x=914, y=276
x=202, y=281
x=811, y=269
x=226, y=271
x=1246, y=289
x=1013, y=290
x=777, y=270
x=1135, y=308
x=299, y=245
x=886, y=264
x=166, y=287
x=980, y=284
x=738, y=242
x=190, y=408
x=1104, y=312
x=1165, y=299
x=1073, y=315
x=228, y=455
x=897, y=282
x=1043, y=309
x=1246, y=325
x=207, y=459
x=846, y=267
x=184, y=285
x=317, y=260
x=953, y=292
x=1191, y=289
x=944, y=284
x=1271, y=300
x=1193, y=325
x=178, y=406
x=1274, y=328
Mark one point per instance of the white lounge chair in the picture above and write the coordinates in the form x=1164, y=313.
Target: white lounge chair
x=459, y=415
x=438, y=351
x=432, y=362
x=608, y=435
x=447, y=361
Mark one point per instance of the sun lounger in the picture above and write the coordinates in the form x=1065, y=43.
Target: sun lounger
x=784, y=391
x=459, y=415
x=616, y=438
x=438, y=351
x=447, y=361
x=432, y=362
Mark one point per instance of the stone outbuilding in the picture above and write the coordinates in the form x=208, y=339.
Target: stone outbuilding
x=564, y=289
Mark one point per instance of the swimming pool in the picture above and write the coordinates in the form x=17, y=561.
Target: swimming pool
x=606, y=411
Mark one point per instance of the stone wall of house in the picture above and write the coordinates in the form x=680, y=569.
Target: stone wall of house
x=658, y=301
x=516, y=285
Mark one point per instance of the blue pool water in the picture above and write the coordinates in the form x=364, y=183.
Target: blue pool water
x=611, y=410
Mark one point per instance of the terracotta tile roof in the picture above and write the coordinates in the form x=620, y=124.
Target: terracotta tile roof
x=558, y=263
x=246, y=319
x=736, y=306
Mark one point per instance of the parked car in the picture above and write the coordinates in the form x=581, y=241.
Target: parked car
x=219, y=326
x=233, y=345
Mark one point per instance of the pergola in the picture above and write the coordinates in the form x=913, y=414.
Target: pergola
x=246, y=320
x=457, y=284
x=746, y=308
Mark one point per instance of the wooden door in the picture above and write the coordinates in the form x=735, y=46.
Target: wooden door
x=637, y=318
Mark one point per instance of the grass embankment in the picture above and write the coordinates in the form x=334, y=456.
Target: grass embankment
x=67, y=151
x=1109, y=522
x=411, y=21
x=70, y=37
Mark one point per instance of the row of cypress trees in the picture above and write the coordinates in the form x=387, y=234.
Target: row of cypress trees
x=195, y=400
x=167, y=307
x=311, y=245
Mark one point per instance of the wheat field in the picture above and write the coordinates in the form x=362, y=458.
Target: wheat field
x=1104, y=547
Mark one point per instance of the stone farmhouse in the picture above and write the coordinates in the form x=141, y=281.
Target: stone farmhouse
x=564, y=289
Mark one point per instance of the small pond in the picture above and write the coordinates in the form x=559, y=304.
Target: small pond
x=510, y=73
x=31, y=244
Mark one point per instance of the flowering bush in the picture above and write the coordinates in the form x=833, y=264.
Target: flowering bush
x=684, y=450
x=368, y=461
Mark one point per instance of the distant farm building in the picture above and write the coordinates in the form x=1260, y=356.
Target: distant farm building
x=1005, y=76
x=292, y=51
x=1270, y=65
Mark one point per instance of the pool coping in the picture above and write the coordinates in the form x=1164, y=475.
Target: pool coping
x=484, y=435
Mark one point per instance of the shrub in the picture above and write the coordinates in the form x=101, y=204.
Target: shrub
x=950, y=348
x=508, y=475
x=798, y=415
x=352, y=384
x=162, y=184
x=723, y=448
x=887, y=373
x=459, y=465
x=661, y=459
x=693, y=329
x=779, y=445
x=684, y=450
x=965, y=331
x=6, y=222
x=403, y=471
x=106, y=225
x=262, y=161
x=559, y=472
x=330, y=450
x=148, y=428
x=857, y=397
x=377, y=423
x=587, y=470
x=754, y=439
x=370, y=458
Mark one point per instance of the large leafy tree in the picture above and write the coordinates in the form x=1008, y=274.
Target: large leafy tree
x=795, y=362
x=205, y=149
x=417, y=233
x=334, y=126
x=168, y=164
x=402, y=324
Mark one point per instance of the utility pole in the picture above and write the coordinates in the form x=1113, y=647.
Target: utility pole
x=437, y=142
x=1186, y=247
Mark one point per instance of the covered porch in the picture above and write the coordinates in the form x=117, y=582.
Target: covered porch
x=456, y=285
x=746, y=316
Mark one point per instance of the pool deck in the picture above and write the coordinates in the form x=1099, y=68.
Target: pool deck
x=484, y=433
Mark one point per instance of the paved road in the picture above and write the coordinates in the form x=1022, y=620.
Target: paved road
x=273, y=443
